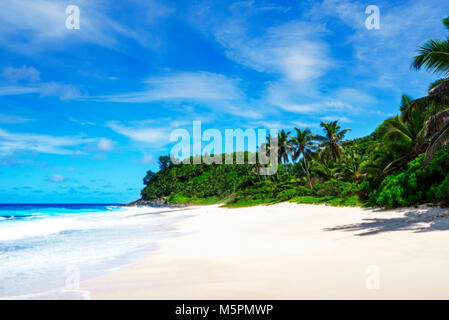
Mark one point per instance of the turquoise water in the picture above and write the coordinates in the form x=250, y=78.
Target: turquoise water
x=47, y=247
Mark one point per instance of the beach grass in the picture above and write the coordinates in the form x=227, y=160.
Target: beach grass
x=250, y=203
x=181, y=199
x=337, y=201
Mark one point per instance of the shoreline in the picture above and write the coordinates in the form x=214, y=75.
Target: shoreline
x=291, y=251
x=151, y=223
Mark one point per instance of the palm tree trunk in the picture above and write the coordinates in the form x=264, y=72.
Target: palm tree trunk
x=307, y=170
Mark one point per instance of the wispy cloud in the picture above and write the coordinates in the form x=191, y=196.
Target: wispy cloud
x=182, y=85
x=334, y=118
x=10, y=142
x=82, y=123
x=214, y=91
x=32, y=26
x=17, y=90
x=26, y=80
x=105, y=144
x=324, y=106
x=154, y=135
x=293, y=50
x=49, y=89
x=283, y=124
x=14, y=75
x=13, y=119
x=302, y=124
x=57, y=178
x=383, y=56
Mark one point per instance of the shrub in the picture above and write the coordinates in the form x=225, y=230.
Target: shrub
x=286, y=194
x=416, y=184
x=335, y=187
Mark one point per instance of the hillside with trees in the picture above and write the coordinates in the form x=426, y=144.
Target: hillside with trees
x=404, y=162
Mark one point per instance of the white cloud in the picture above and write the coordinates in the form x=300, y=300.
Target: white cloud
x=19, y=74
x=31, y=26
x=334, y=118
x=353, y=95
x=10, y=142
x=62, y=91
x=283, y=124
x=383, y=56
x=324, y=106
x=83, y=123
x=305, y=124
x=293, y=50
x=56, y=178
x=152, y=135
x=182, y=85
x=105, y=144
x=203, y=89
x=51, y=89
x=12, y=119
x=17, y=90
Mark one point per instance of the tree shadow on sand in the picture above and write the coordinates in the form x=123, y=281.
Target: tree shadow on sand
x=417, y=220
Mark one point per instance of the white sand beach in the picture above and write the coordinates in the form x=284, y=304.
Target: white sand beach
x=292, y=251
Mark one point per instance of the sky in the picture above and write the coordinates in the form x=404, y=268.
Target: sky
x=84, y=113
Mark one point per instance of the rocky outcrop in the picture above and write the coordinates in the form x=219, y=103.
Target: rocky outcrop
x=162, y=202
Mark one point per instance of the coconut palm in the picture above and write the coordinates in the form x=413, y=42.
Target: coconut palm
x=284, y=148
x=351, y=165
x=402, y=137
x=325, y=168
x=434, y=56
x=303, y=143
x=331, y=141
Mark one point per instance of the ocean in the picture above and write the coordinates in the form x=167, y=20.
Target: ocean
x=46, y=250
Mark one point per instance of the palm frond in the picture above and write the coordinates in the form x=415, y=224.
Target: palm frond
x=405, y=102
x=396, y=163
x=446, y=22
x=433, y=55
x=437, y=86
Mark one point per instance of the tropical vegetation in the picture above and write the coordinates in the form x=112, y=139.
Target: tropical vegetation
x=404, y=162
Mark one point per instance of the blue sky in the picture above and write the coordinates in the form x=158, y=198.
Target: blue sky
x=85, y=113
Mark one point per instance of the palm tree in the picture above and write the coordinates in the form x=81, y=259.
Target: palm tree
x=434, y=56
x=331, y=142
x=285, y=149
x=325, y=168
x=303, y=144
x=352, y=164
x=402, y=137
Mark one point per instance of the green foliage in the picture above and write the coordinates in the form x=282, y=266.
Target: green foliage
x=404, y=162
x=416, y=184
x=250, y=203
x=179, y=198
x=335, y=187
x=351, y=201
x=402, y=189
x=181, y=182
